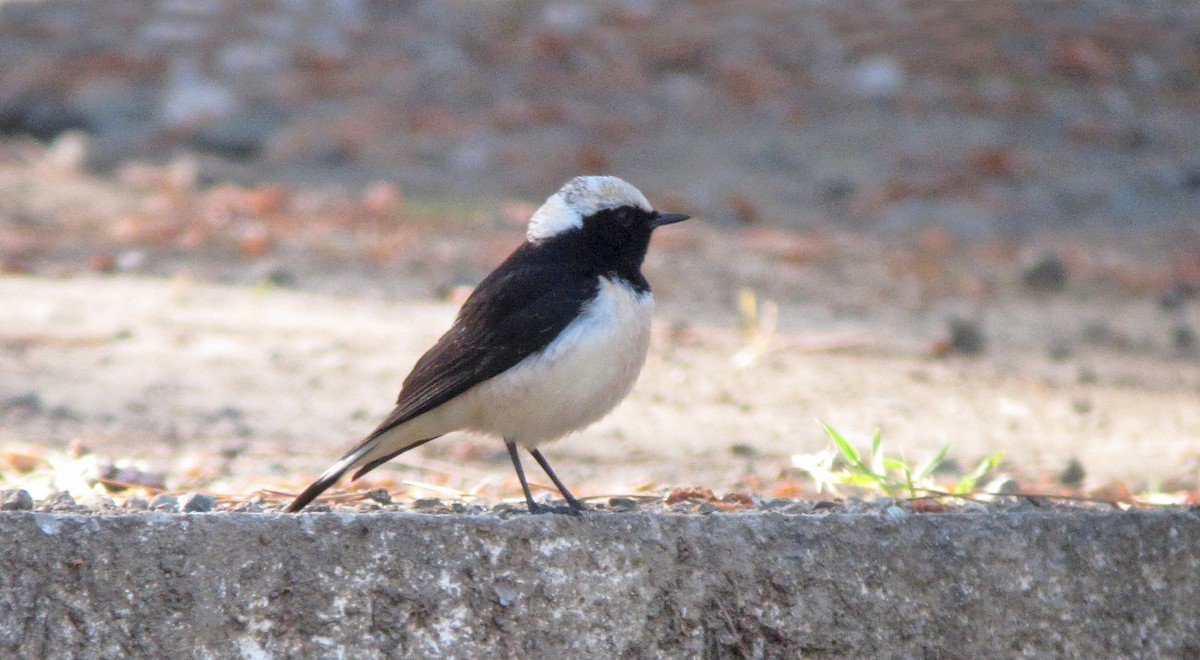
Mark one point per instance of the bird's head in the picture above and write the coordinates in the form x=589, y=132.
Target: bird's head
x=603, y=211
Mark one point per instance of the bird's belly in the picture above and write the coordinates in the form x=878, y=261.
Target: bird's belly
x=580, y=376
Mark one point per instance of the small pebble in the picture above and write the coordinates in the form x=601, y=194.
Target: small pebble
x=743, y=450
x=62, y=501
x=622, y=503
x=966, y=336
x=1047, y=275
x=706, y=508
x=1073, y=475
x=197, y=503
x=894, y=511
x=137, y=503
x=426, y=503
x=1183, y=338
x=164, y=502
x=16, y=500
x=26, y=402
x=1004, y=486
x=1059, y=350
x=380, y=495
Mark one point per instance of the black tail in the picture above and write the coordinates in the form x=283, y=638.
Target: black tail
x=335, y=472
x=327, y=479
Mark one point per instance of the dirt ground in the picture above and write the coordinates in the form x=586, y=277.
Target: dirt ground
x=243, y=338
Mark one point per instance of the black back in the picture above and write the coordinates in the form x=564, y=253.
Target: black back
x=523, y=305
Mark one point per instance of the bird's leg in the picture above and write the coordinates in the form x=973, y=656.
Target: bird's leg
x=516, y=461
x=576, y=506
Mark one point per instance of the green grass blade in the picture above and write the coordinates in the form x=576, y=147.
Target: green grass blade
x=927, y=468
x=842, y=444
x=967, y=484
x=877, y=460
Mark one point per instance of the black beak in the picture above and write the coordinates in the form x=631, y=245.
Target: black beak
x=661, y=219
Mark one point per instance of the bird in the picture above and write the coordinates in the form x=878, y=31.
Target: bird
x=548, y=343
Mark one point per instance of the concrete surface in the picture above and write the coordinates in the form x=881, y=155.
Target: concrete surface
x=1044, y=584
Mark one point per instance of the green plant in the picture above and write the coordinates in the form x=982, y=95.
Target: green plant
x=877, y=471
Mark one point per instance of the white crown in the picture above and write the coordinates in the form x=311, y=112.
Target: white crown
x=579, y=198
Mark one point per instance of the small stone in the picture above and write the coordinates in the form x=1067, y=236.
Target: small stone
x=69, y=151
x=878, y=77
x=164, y=502
x=1073, y=475
x=622, y=503
x=501, y=508
x=1047, y=275
x=743, y=450
x=137, y=503
x=280, y=277
x=837, y=190
x=62, y=500
x=1004, y=486
x=16, y=500
x=427, y=503
x=1058, y=350
x=29, y=403
x=894, y=511
x=706, y=508
x=1184, y=338
x=966, y=337
x=380, y=495
x=854, y=504
x=197, y=503
x=1171, y=300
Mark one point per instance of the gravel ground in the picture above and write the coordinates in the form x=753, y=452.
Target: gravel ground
x=379, y=501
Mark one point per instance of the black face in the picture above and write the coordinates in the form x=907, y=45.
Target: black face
x=618, y=237
x=611, y=242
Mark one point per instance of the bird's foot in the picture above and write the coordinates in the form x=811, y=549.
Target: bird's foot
x=575, y=509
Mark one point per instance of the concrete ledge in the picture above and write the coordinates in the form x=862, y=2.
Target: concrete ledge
x=610, y=585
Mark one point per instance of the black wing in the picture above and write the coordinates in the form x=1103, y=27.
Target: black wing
x=512, y=314
x=516, y=311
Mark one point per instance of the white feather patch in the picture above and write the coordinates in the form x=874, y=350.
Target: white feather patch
x=579, y=198
x=580, y=377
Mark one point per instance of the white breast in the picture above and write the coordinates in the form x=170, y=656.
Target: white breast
x=581, y=376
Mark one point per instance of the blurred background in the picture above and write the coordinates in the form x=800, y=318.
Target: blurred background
x=1001, y=117
x=997, y=204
